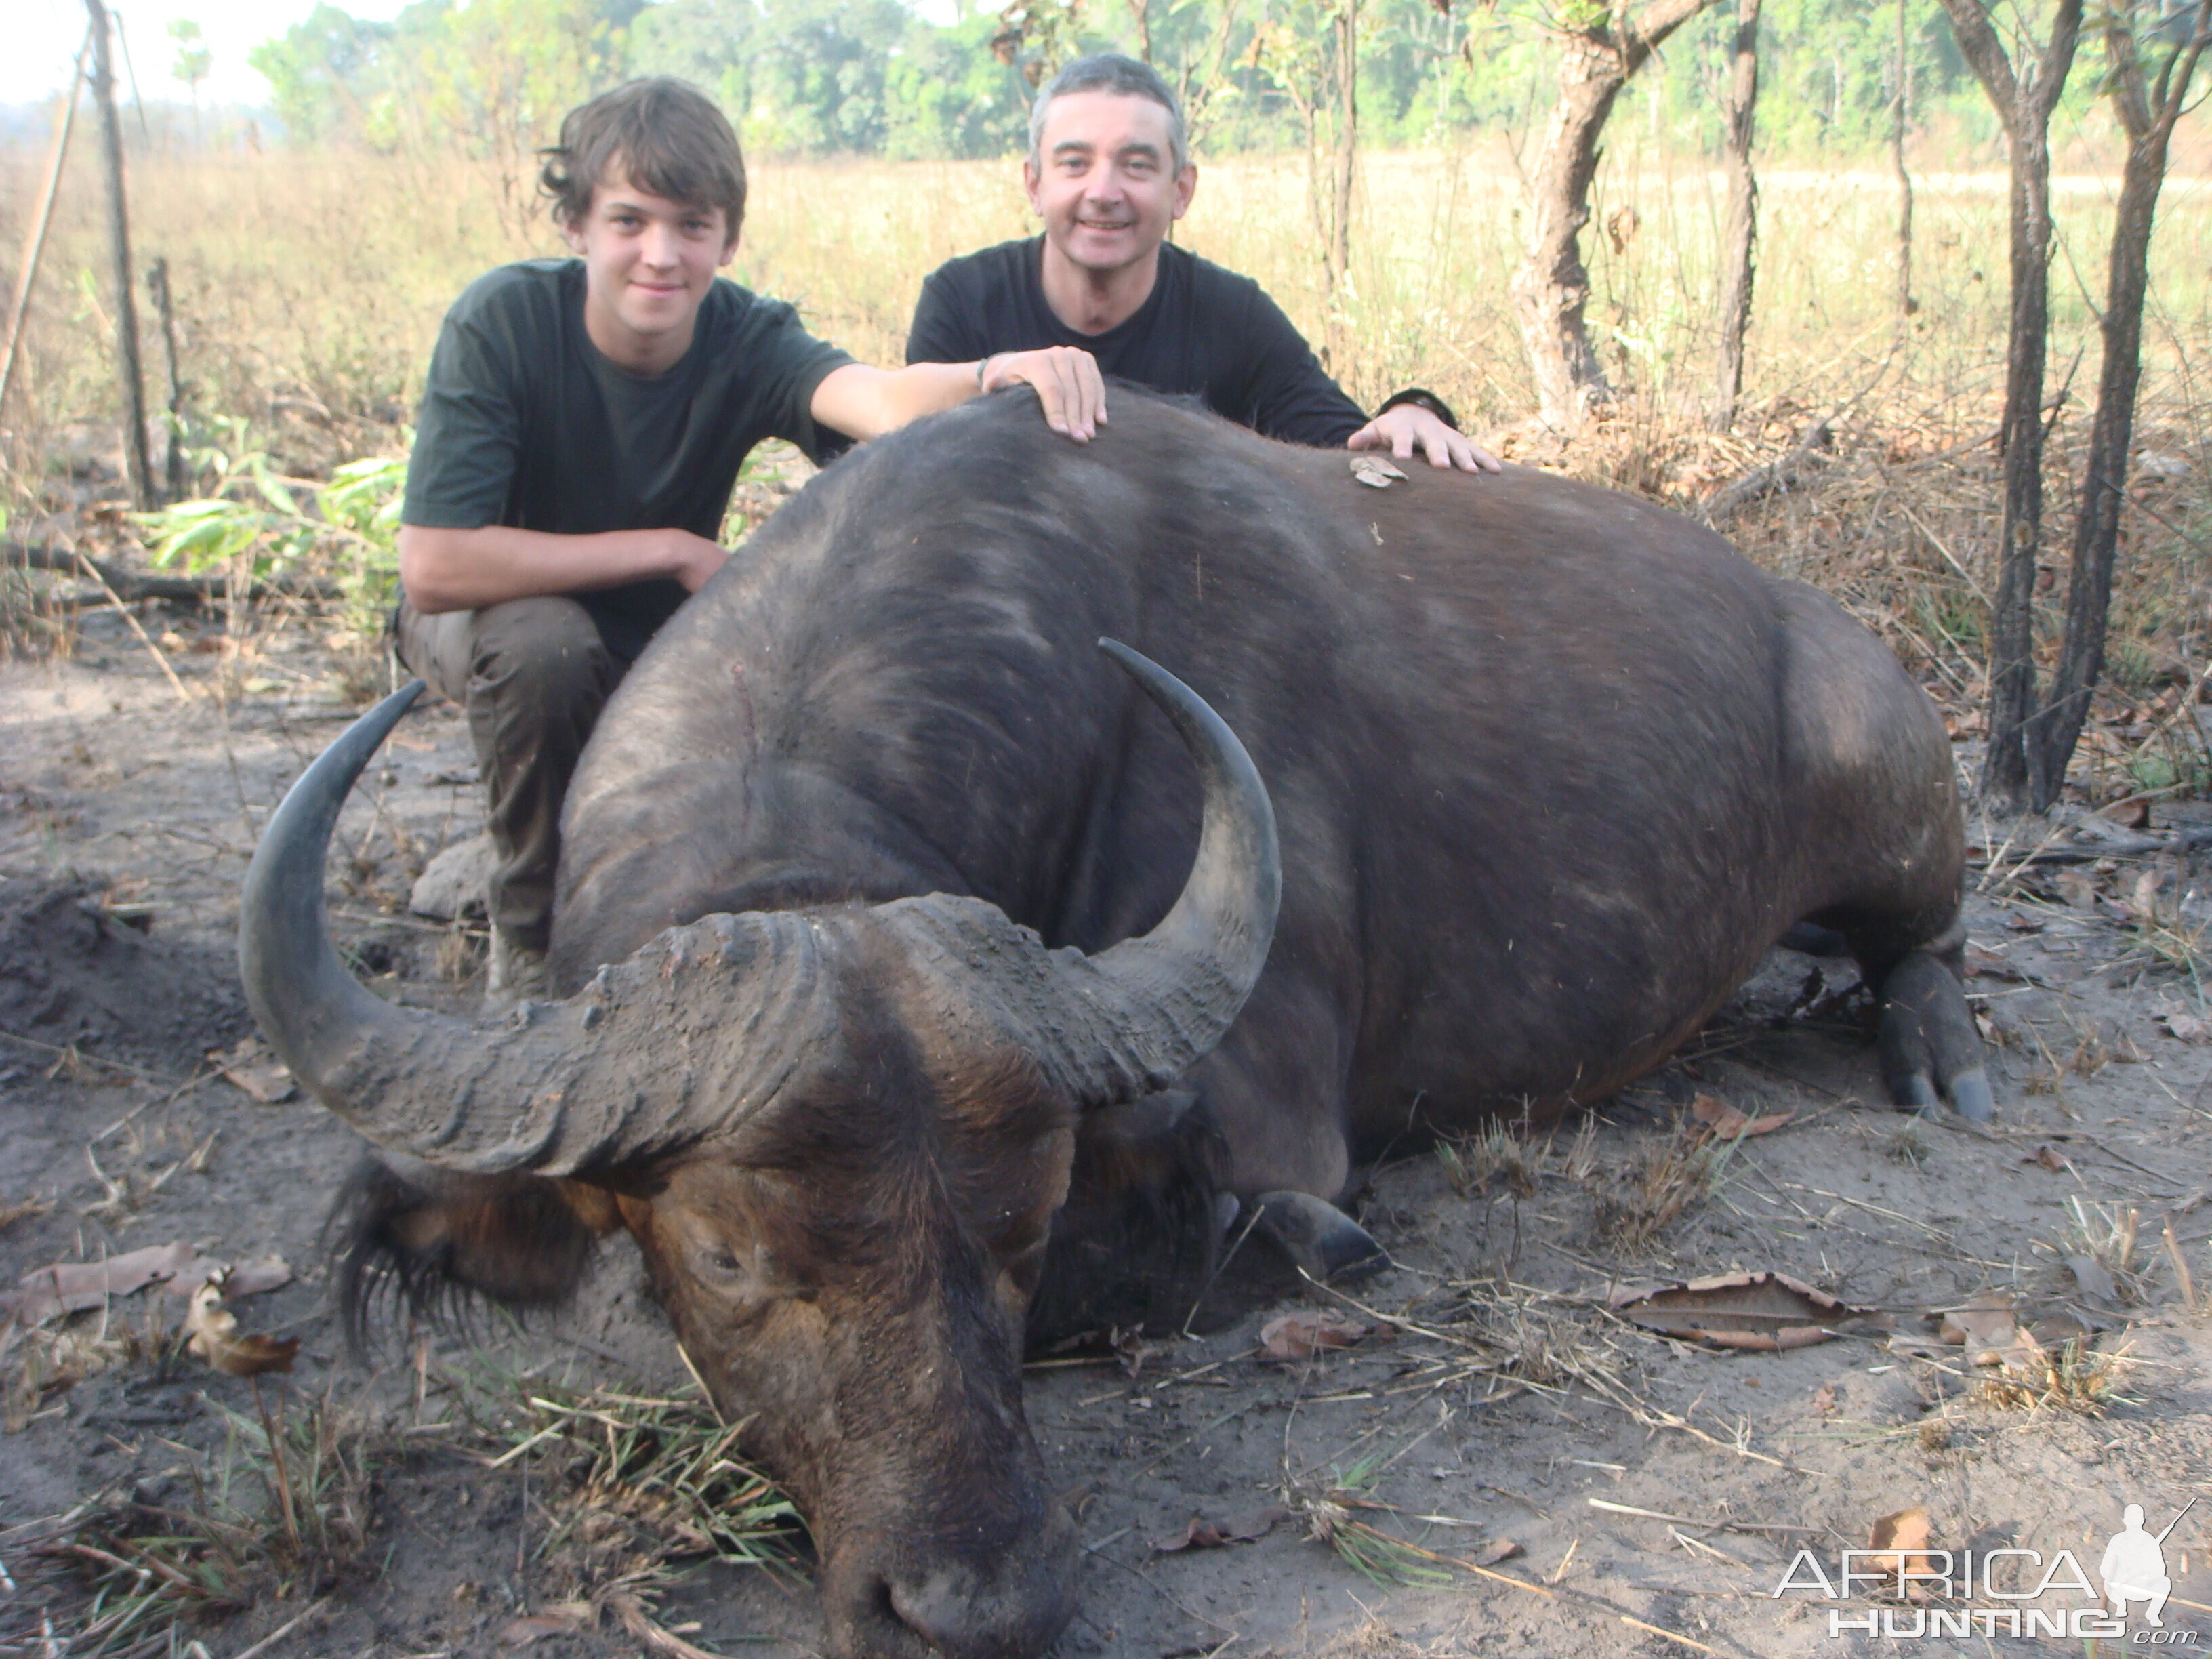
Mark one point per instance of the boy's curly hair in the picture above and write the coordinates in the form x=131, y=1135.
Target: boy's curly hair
x=663, y=133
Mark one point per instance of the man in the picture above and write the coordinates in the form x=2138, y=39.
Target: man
x=2134, y=1568
x=582, y=425
x=1109, y=172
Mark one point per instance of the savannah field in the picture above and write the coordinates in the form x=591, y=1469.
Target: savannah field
x=1499, y=1458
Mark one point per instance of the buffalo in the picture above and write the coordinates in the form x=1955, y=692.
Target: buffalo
x=903, y=945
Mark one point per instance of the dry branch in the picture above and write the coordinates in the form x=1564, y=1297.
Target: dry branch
x=130, y=587
x=1764, y=481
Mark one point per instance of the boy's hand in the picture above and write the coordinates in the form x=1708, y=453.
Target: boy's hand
x=1067, y=382
x=692, y=559
x=1400, y=430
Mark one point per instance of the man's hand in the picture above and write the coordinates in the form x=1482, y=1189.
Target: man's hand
x=1067, y=383
x=1408, y=427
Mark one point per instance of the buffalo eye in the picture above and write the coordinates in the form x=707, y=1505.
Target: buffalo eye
x=719, y=1265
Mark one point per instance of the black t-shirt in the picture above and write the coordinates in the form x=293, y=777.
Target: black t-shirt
x=525, y=423
x=1202, y=332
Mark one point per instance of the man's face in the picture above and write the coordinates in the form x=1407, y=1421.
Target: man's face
x=649, y=262
x=1106, y=183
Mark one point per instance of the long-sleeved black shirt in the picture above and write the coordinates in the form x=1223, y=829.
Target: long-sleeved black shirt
x=1202, y=332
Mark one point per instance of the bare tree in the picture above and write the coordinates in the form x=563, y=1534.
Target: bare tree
x=2024, y=95
x=2147, y=102
x=1310, y=50
x=1900, y=112
x=135, y=457
x=1598, y=56
x=1347, y=137
x=1737, y=247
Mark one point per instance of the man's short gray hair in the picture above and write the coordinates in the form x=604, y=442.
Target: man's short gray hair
x=1110, y=71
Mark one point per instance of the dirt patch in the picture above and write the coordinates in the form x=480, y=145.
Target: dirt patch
x=1492, y=1459
x=75, y=975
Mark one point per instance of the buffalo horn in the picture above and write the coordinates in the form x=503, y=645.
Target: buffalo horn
x=647, y=1059
x=1126, y=1021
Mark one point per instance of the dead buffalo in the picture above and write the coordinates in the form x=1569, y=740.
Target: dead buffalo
x=894, y=954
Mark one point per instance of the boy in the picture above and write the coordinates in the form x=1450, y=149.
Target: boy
x=582, y=425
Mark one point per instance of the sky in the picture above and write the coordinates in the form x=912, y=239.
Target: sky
x=44, y=35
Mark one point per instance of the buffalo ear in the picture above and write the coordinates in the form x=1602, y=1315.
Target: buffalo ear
x=431, y=1241
x=1136, y=1240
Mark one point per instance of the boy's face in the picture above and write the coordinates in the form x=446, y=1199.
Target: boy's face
x=1105, y=181
x=649, y=263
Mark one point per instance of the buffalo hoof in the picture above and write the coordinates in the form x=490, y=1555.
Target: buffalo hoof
x=1972, y=1097
x=1320, y=1239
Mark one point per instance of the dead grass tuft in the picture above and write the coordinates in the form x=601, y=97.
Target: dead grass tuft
x=634, y=1483
x=2072, y=1376
x=1661, y=1182
x=152, y=1572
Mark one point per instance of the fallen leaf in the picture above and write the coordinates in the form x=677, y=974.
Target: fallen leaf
x=63, y=1287
x=2048, y=1158
x=216, y=1338
x=2094, y=1278
x=2077, y=887
x=1988, y=964
x=536, y=1627
x=1824, y=1398
x=1204, y=1534
x=2020, y=922
x=1374, y=471
x=1497, y=1550
x=254, y=1069
x=1765, y=1312
x=2188, y=1027
x=1987, y=1326
x=1907, y=1533
x=2133, y=813
x=1729, y=1124
x=1303, y=1335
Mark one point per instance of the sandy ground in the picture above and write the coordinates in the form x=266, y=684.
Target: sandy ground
x=1628, y=1491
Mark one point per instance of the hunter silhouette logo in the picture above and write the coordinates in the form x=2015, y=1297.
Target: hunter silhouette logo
x=2134, y=1567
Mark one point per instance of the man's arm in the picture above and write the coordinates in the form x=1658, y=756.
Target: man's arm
x=1299, y=403
x=866, y=403
x=445, y=569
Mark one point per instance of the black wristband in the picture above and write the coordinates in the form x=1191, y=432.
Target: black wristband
x=1420, y=397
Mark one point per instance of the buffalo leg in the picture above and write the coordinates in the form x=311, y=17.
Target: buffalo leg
x=1926, y=1037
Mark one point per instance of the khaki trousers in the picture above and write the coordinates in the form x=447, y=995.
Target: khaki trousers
x=533, y=676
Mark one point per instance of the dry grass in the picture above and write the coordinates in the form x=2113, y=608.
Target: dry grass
x=2072, y=1376
x=152, y=1572
x=633, y=1487
x=1661, y=1182
x=309, y=291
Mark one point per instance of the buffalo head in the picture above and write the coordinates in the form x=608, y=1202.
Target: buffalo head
x=839, y=1136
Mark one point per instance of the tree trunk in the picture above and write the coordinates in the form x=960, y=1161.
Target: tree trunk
x=1901, y=111
x=2023, y=104
x=135, y=456
x=2057, y=726
x=1347, y=139
x=1142, y=11
x=1550, y=288
x=1737, y=269
x=34, y=247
